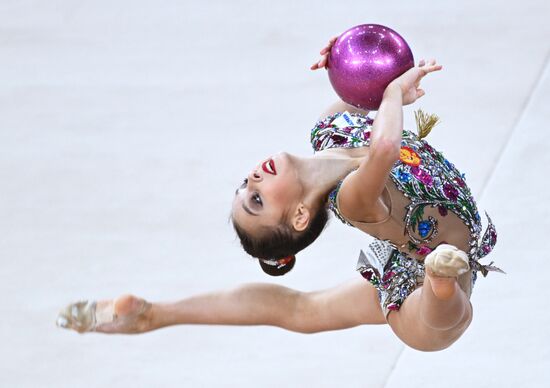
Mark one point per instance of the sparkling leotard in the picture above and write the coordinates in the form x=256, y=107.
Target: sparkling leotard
x=429, y=204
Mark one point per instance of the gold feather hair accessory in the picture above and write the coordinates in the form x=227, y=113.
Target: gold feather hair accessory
x=425, y=122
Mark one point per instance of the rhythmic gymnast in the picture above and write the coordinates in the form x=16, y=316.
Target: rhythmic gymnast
x=417, y=274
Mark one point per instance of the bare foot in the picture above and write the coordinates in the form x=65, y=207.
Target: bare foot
x=127, y=314
x=443, y=266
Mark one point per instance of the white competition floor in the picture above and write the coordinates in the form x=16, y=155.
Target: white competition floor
x=126, y=126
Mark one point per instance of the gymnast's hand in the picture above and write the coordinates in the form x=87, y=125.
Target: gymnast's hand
x=322, y=63
x=409, y=82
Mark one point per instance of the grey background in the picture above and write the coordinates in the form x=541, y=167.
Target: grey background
x=126, y=126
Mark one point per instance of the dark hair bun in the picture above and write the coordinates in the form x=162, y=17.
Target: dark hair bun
x=278, y=270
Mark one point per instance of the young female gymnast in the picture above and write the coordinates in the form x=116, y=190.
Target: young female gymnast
x=418, y=273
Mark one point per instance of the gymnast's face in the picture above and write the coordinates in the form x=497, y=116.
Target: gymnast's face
x=268, y=195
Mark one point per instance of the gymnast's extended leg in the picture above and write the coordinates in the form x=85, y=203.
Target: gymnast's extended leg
x=347, y=305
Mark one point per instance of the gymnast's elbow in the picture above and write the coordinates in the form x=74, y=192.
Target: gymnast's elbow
x=386, y=148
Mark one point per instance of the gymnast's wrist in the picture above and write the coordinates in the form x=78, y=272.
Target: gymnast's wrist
x=393, y=90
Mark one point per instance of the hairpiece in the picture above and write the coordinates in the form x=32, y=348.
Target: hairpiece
x=279, y=263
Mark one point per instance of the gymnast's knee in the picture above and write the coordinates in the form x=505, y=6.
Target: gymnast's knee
x=430, y=340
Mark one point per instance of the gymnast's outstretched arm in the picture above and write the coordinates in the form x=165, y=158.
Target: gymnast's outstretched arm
x=347, y=305
x=360, y=194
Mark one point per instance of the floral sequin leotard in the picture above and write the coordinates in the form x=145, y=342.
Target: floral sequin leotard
x=429, y=204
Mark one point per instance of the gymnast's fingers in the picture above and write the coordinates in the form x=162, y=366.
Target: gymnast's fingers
x=329, y=45
x=433, y=68
x=429, y=69
x=315, y=66
x=320, y=64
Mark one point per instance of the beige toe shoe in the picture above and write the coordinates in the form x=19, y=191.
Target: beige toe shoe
x=83, y=316
x=447, y=260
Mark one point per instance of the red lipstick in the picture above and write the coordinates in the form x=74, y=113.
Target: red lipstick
x=269, y=167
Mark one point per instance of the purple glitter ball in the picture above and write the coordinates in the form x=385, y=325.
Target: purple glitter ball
x=364, y=60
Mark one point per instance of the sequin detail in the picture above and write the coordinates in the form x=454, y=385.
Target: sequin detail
x=325, y=135
x=409, y=157
x=394, y=275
